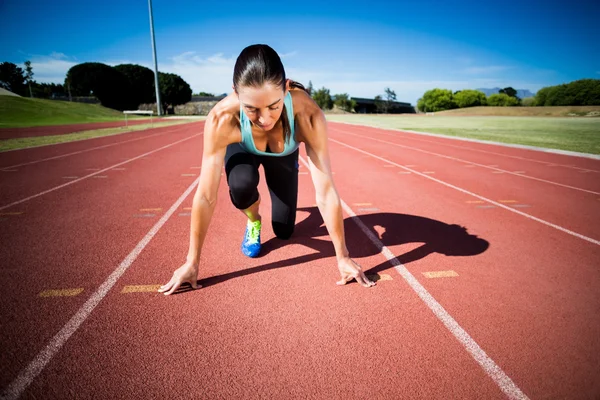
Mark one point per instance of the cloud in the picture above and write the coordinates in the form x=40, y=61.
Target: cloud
x=490, y=69
x=212, y=74
x=288, y=55
x=52, y=68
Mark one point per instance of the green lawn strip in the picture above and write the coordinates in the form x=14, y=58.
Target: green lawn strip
x=21, y=112
x=23, y=143
x=571, y=134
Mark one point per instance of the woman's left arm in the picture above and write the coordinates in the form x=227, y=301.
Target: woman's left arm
x=314, y=131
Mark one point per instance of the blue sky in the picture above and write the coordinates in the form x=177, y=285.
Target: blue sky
x=359, y=48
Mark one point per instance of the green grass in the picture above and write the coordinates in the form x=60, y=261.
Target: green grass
x=572, y=134
x=23, y=143
x=18, y=112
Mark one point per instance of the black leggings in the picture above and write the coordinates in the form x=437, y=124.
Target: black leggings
x=281, y=174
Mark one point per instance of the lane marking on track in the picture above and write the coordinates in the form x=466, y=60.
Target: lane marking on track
x=429, y=172
x=70, y=177
x=60, y=292
x=522, y=205
x=395, y=133
x=195, y=167
x=188, y=174
x=550, y=224
x=486, y=206
x=100, y=177
x=489, y=366
x=368, y=209
x=144, y=215
x=362, y=204
x=440, y=274
x=33, y=369
x=86, y=150
x=507, y=201
x=475, y=201
x=187, y=208
x=96, y=173
x=9, y=170
x=11, y=213
x=140, y=288
x=185, y=214
x=150, y=209
x=518, y=173
x=92, y=169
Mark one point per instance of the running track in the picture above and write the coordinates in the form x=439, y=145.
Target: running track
x=10, y=133
x=106, y=220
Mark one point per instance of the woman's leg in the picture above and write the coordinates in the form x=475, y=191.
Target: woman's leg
x=243, y=177
x=281, y=174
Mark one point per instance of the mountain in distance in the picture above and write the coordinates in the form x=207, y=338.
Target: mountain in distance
x=521, y=93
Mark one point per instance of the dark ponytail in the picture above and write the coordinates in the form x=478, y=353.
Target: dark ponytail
x=259, y=64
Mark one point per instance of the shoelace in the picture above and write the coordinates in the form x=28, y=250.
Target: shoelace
x=253, y=232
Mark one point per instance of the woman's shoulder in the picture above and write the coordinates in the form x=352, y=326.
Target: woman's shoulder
x=304, y=105
x=224, y=118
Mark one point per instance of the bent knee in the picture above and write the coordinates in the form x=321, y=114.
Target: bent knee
x=283, y=231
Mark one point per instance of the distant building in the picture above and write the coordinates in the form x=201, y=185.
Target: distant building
x=368, y=106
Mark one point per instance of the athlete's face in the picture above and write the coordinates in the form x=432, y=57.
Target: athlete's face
x=263, y=105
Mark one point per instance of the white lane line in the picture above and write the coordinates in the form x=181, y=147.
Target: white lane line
x=95, y=173
x=86, y=150
x=489, y=366
x=517, y=173
x=560, y=228
x=413, y=136
x=29, y=373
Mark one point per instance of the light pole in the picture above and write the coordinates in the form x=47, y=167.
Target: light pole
x=158, y=109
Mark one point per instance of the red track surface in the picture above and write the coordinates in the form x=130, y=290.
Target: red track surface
x=10, y=133
x=277, y=326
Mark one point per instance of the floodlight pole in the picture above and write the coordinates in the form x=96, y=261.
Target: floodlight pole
x=158, y=108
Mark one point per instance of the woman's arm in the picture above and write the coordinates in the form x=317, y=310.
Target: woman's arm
x=328, y=200
x=205, y=199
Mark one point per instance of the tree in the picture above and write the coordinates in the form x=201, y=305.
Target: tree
x=380, y=105
x=204, y=94
x=323, y=99
x=29, y=76
x=502, y=100
x=12, y=78
x=436, y=100
x=140, y=84
x=390, y=97
x=102, y=81
x=344, y=102
x=528, y=102
x=469, y=98
x=173, y=90
x=509, y=91
x=310, y=88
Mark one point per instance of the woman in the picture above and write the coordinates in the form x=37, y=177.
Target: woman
x=263, y=122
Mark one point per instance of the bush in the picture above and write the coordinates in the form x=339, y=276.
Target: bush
x=528, y=102
x=436, y=100
x=583, y=92
x=502, y=100
x=470, y=98
x=323, y=99
x=344, y=102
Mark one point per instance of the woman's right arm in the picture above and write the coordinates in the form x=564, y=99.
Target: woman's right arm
x=216, y=135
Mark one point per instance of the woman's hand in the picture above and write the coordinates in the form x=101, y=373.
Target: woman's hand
x=351, y=270
x=187, y=273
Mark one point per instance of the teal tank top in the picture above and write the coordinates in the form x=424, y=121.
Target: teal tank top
x=247, y=142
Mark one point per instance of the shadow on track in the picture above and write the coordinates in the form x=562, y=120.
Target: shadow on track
x=392, y=229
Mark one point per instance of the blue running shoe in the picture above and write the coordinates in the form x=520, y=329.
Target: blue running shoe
x=251, y=243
